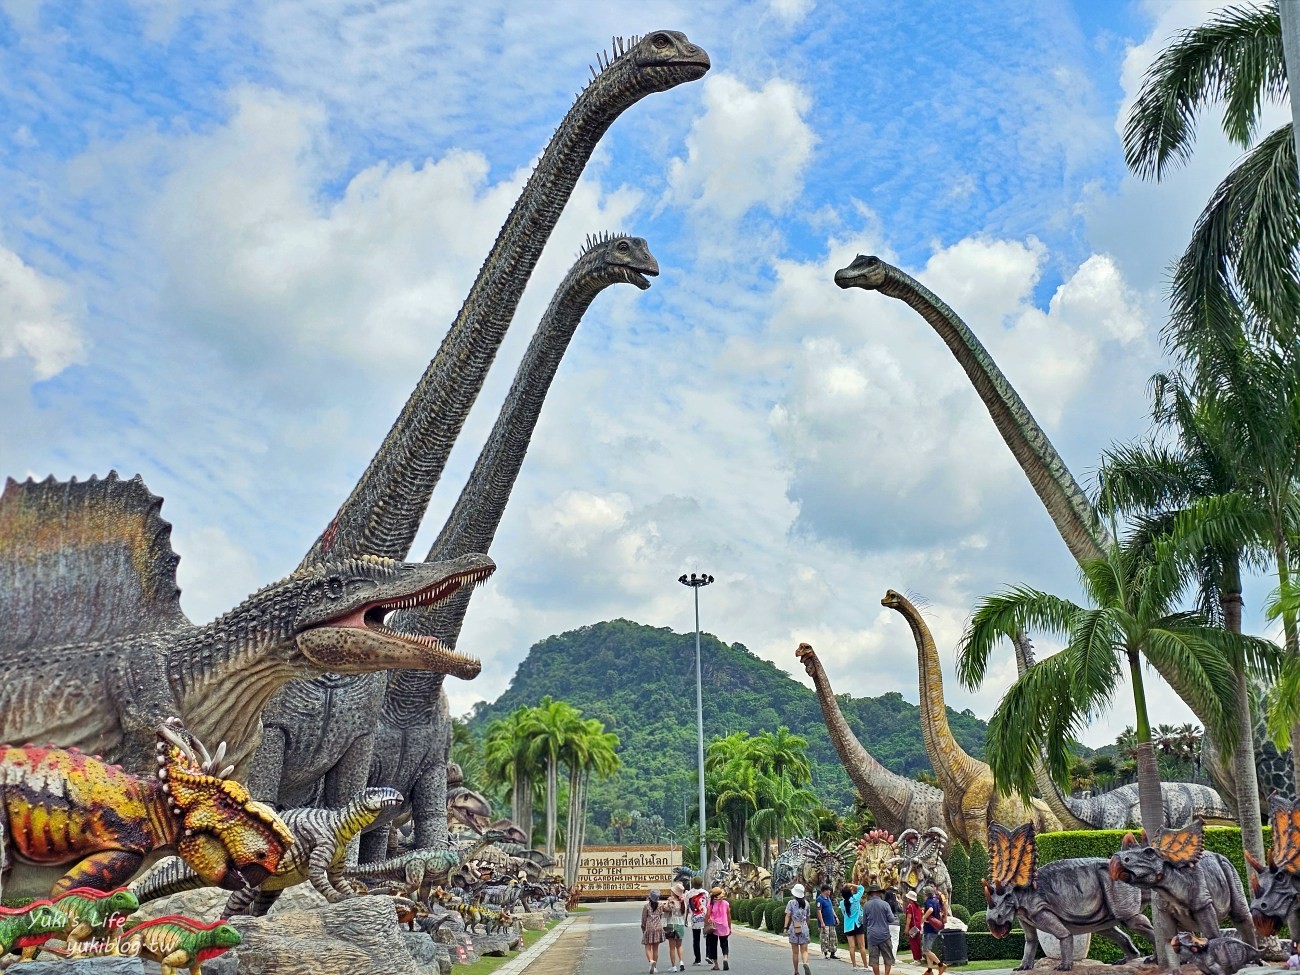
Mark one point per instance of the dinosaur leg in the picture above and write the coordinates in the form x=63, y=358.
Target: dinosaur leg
x=177, y=959
x=267, y=767
x=318, y=872
x=264, y=901
x=239, y=903
x=429, y=808
x=102, y=871
x=1239, y=911
x=1031, y=946
x=1125, y=943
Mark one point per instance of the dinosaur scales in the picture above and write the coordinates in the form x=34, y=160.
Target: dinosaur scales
x=1275, y=884
x=97, y=652
x=414, y=734
x=1063, y=898
x=325, y=729
x=70, y=820
x=320, y=842
x=970, y=800
x=177, y=942
x=1065, y=501
x=897, y=802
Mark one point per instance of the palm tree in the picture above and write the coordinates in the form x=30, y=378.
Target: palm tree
x=1240, y=257
x=554, y=723
x=509, y=760
x=784, y=808
x=592, y=749
x=736, y=789
x=785, y=754
x=1133, y=619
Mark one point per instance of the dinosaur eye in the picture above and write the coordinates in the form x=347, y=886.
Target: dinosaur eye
x=622, y=246
x=334, y=587
x=660, y=40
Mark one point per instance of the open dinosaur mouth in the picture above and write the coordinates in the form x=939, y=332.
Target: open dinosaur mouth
x=364, y=637
x=637, y=276
x=1265, y=924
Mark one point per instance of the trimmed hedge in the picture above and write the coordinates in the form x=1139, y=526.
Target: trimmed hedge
x=985, y=947
x=1105, y=842
x=978, y=921
x=961, y=911
x=774, y=915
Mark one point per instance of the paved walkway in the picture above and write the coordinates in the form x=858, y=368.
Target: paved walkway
x=607, y=941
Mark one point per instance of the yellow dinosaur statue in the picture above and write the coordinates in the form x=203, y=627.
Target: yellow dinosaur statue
x=970, y=801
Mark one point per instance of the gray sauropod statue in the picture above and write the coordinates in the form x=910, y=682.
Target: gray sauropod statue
x=1223, y=955
x=1275, y=885
x=414, y=732
x=1063, y=898
x=96, y=650
x=1198, y=887
x=322, y=731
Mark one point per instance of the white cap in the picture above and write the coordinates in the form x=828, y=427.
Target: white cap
x=797, y=890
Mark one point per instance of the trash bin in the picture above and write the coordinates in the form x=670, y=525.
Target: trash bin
x=954, y=947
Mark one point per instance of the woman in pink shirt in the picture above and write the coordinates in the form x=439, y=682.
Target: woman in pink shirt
x=718, y=928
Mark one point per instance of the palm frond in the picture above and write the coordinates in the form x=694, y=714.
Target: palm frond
x=1143, y=477
x=1034, y=718
x=1235, y=58
x=1194, y=653
x=1284, y=704
x=1019, y=609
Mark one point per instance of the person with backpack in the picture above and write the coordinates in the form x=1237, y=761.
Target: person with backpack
x=675, y=926
x=797, y=928
x=697, y=906
x=933, y=919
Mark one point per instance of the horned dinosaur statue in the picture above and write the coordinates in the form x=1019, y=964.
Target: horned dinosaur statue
x=413, y=741
x=919, y=862
x=1275, y=886
x=1065, y=501
x=320, y=842
x=1063, y=898
x=1223, y=955
x=333, y=720
x=96, y=651
x=875, y=860
x=1198, y=886
x=971, y=800
x=897, y=802
x=807, y=861
x=1182, y=802
x=71, y=820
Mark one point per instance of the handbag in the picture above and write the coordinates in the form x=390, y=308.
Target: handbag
x=913, y=931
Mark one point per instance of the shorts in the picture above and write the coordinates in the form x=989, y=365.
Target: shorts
x=852, y=932
x=928, y=937
x=883, y=952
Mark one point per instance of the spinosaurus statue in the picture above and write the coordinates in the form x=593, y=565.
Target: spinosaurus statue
x=1182, y=802
x=69, y=820
x=324, y=730
x=970, y=799
x=897, y=802
x=414, y=730
x=1065, y=501
x=1063, y=898
x=1275, y=885
x=96, y=651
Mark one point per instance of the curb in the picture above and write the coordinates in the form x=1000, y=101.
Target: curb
x=525, y=958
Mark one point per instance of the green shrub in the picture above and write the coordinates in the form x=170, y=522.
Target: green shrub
x=775, y=915
x=985, y=947
x=740, y=911
x=1108, y=952
x=1105, y=842
x=978, y=921
x=977, y=871
x=961, y=911
x=958, y=864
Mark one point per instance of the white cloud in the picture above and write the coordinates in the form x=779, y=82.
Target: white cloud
x=749, y=149
x=33, y=320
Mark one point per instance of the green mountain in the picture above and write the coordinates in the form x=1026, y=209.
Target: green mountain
x=640, y=681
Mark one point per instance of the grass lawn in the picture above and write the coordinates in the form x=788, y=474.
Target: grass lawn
x=981, y=966
x=491, y=963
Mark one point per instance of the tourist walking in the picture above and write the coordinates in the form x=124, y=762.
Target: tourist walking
x=933, y=919
x=852, y=896
x=826, y=922
x=697, y=908
x=674, y=910
x=796, y=928
x=878, y=918
x=890, y=897
x=652, y=929
x=913, y=916
x=718, y=928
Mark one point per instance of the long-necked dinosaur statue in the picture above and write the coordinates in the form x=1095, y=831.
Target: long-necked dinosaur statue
x=898, y=803
x=970, y=800
x=1183, y=802
x=96, y=651
x=414, y=736
x=384, y=510
x=1065, y=501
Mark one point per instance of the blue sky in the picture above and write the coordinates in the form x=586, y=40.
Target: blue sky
x=232, y=239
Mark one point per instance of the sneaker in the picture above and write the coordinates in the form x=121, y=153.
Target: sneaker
x=942, y=967
x=806, y=969
x=726, y=967
x=652, y=970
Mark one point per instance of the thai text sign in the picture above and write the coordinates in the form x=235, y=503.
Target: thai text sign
x=624, y=871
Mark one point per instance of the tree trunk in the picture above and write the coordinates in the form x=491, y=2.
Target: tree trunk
x=521, y=803
x=1280, y=554
x=572, y=831
x=552, y=802
x=1152, y=806
x=1244, y=775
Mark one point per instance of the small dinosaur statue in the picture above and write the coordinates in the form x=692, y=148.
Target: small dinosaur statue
x=1275, y=885
x=331, y=724
x=1198, y=886
x=176, y=942
x=413, y=738
x=1215, y=956
x=320, y=843
x=96, y=650
x=70, y=820
x=25, y=929
x=419, y=870
x=1063, y=898
x=970, y=799
x=74, y=917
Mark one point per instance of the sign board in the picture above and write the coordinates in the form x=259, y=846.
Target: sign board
x=624, y=871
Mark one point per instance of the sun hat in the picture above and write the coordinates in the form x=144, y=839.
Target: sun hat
x=797, y=890
x=874, y=889
x=716, y=892
x=678, y=889
x=911, y=895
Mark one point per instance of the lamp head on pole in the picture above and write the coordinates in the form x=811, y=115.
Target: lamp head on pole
x=695, y=581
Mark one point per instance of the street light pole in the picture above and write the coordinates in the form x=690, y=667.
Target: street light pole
x=697, y=582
